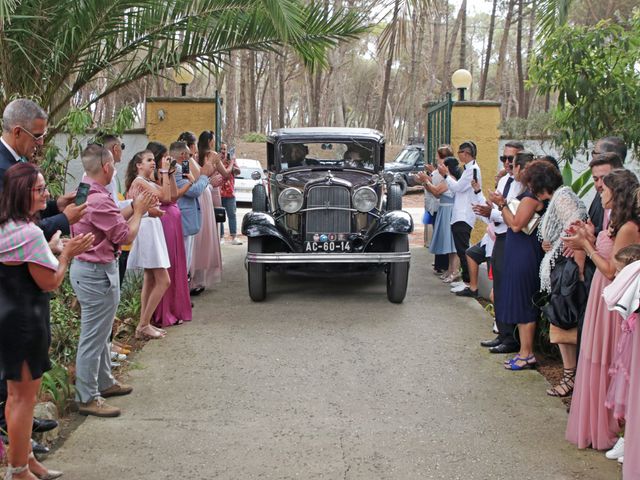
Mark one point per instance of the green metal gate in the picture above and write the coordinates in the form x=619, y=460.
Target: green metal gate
x=438, y=126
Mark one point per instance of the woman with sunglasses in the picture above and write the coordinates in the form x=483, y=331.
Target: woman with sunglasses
x=28, y=271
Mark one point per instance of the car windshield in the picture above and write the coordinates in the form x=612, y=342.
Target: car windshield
x=409, y=156
x=346, y=154
x=245, y=172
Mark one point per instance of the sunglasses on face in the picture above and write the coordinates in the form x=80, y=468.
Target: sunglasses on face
x=36, y=138
x=506, y=158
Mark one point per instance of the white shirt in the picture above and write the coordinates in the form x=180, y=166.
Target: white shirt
x=496, y=215
x=464, y=194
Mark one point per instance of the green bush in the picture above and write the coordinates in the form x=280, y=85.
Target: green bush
x=254, y=137
x=56, y=386
x=65, y=325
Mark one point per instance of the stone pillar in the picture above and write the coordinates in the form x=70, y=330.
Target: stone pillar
x=167, y=118
x=478, y=122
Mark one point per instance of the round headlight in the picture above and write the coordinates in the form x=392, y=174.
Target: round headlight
x=290, y=200
x=365, y=199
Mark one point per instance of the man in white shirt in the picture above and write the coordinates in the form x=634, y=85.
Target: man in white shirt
x=463, y=217
x=505, y=342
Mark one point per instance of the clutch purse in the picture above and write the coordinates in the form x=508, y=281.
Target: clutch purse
x=220, y=214
x=513, y=205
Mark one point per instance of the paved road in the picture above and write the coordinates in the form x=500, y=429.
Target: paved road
x=328, y=380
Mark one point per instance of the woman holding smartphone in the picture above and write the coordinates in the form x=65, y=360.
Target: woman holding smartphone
x=28, y=272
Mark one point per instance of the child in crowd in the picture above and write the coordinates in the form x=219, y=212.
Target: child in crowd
x=149, y=250
x=623, y=296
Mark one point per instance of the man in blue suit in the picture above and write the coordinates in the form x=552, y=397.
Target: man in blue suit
x=24, y=127
x=189, y=191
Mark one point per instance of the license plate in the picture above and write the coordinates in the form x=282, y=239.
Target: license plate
x=330, y=246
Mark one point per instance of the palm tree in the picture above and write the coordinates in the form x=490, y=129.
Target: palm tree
x=51, y=49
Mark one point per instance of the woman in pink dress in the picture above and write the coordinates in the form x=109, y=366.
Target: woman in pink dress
x=175, y=306
x=206, y=264
x=631, y=469
x=591, y=423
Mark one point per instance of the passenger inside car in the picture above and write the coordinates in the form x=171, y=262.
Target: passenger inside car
x=296, y=154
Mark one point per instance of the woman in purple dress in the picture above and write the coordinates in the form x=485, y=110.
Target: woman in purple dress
x=175, y=306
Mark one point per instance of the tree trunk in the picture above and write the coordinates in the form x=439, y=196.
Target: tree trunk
x=243, y=126
x=502, y=55
x=519, y=68
x=387, y=69
x=253, y=93
x=530, y=94
x=416, y=52
x=446, y=66
x=487, y=60
x=282, y=67
x=463, y=35
x=230, y=101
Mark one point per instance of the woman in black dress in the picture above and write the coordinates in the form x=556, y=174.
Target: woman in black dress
x=28, y=269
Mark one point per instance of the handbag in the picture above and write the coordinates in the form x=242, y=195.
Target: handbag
x=513, y=205
x=220, y=214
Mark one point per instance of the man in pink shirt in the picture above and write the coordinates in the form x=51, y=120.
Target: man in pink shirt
x=95, y=280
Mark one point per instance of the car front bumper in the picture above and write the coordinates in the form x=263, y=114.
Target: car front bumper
x=369, y=257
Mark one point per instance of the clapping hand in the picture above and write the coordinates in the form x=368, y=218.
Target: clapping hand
x=78, y=244
x=443, y=170
x=482, y=210
x=143, y=202
x=497, y=198
x=430, y=168
x=422, y=177
x=155, y=212
x=55, y=244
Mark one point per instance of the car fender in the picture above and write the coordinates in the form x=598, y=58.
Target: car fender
x=262, y=224
x=396, y=221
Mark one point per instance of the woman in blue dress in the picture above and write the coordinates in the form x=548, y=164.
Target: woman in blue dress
x=442, y=239
x=521, y=274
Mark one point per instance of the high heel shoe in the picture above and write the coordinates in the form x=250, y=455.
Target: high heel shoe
x=147, y=333
x=48, y=475
x=14, y=470
x=565, y=387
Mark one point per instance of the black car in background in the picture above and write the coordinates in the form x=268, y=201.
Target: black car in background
x=326, y=209
x=408, y=162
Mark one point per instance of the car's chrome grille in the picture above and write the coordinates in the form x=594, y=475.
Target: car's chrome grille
x=328, y=219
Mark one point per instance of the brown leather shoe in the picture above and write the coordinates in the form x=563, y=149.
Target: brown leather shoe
x=116, y=390
x=99, y=408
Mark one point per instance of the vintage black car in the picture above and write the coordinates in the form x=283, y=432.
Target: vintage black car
x=409, y=161
x=325, y=208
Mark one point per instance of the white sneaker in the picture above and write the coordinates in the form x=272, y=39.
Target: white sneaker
x=621, y=460
x=457, y=284
x=222, y=241
x=118, y=357
x=617, y=451
x=458, y=288
x=235, y=241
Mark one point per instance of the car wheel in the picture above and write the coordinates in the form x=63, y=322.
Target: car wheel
x=398, y=273
x=257, y=272
x=394, y=197
x=259, y=199
x=402, y=183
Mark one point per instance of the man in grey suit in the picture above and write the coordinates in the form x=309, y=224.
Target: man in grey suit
x=189, y=191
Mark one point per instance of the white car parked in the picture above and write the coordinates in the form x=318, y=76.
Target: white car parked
x=244, y=183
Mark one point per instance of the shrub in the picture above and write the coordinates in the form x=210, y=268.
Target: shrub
x=254, y=137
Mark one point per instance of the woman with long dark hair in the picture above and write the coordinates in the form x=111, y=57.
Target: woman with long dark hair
x=28, y=271
x=149, y=249
x=175, y=306
x=590, y=422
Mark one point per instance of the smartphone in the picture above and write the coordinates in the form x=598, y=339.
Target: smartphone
x=475, y=175
x=185, y=167
x=228, y=157
x=82, y=193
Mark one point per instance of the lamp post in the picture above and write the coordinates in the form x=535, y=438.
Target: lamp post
x=183, y=76
x=461, y=79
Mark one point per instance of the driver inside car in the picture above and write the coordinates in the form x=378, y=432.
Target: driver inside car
x=297, y=154
x=354, y=158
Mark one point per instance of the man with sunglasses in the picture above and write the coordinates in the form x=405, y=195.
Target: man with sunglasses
x=24, y=127
x=509, y=188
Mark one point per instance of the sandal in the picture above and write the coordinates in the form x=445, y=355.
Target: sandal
x=565, y=387
x=528, y=363
x=148, y=333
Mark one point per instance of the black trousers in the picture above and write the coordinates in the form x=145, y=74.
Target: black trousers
x=3, y=401
x=461, y=235
x=505, y=331
x=441, y=262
